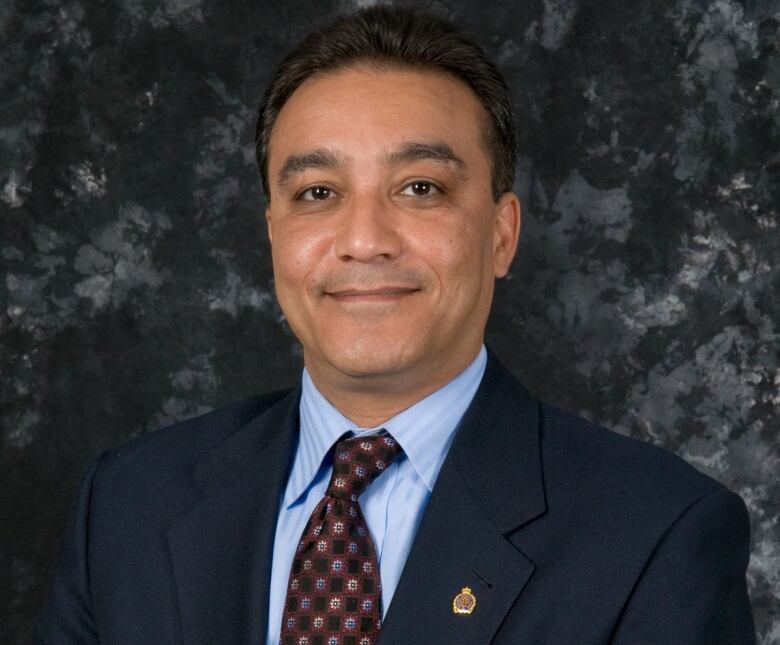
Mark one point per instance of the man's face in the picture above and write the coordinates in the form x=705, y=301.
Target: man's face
x=385, y=237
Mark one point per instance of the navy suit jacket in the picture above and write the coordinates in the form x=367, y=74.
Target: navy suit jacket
x=565, y=533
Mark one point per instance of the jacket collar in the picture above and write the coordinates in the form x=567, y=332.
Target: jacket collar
x=490, y=486
x=498, y=450
x=221, y=550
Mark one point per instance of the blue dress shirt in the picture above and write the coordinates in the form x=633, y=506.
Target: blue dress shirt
x=393, y=504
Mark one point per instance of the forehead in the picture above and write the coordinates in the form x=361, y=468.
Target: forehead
x=363, y=112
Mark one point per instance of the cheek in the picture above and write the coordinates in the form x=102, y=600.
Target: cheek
x=296, y=253
x=456, y=248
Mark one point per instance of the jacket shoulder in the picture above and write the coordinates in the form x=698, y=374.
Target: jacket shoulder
x=588, y=465
x=180, y=445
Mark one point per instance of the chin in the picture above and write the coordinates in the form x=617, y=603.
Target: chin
x=376, y=359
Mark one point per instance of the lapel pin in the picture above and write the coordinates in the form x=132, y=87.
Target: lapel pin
x=464, y=602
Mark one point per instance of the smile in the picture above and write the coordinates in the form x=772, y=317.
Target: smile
x=380, y=294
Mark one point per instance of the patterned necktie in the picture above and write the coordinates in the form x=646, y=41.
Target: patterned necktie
x=334, y=596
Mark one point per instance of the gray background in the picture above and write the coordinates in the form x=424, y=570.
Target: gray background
x=136, y=286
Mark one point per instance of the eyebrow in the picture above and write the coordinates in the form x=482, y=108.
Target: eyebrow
x=325, y=159
x=320, y=158
x=416, y=151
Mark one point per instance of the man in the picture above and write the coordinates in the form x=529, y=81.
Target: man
x=409, y=491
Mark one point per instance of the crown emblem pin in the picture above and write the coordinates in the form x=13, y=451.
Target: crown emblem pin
x=464, y=602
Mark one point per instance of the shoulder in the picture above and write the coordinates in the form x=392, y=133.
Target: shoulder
x=173, y=450
x=591, y=471
x=605, y=453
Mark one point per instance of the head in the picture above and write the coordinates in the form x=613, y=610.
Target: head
x=386, y=148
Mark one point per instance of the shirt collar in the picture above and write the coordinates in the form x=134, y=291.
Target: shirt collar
x=425, y=430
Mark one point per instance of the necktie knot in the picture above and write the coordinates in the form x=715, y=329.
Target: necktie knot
x=358, y=461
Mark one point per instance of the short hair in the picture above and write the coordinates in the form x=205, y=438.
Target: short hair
x=396, y=37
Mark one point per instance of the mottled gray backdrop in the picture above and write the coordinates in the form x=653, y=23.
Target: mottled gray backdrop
x=137, y=288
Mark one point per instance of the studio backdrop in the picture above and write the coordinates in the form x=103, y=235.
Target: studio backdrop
x=136, y=278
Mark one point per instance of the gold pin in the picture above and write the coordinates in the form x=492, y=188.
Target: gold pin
x=464, y=602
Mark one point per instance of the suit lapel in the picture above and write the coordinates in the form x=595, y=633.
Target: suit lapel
x=221, y=550
x=490, y=485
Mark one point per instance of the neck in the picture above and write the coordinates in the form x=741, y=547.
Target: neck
x=368, y=401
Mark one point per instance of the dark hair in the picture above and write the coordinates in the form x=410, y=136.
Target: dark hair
x=396, y=36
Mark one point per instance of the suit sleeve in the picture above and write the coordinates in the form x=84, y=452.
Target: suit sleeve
x=693, y=588
x=66, y=617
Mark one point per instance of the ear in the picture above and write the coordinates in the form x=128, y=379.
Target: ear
x=506, y=233
x=268, y=224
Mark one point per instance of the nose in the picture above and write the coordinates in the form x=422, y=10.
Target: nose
x=367, y=230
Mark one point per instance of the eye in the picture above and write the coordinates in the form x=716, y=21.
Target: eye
x=420, y=189
x=315, y=193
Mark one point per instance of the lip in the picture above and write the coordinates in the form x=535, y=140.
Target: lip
x=374, y=294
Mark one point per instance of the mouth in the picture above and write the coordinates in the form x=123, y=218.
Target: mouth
x=374, y=294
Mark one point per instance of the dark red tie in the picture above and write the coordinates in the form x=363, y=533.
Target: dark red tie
x=334, y=596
